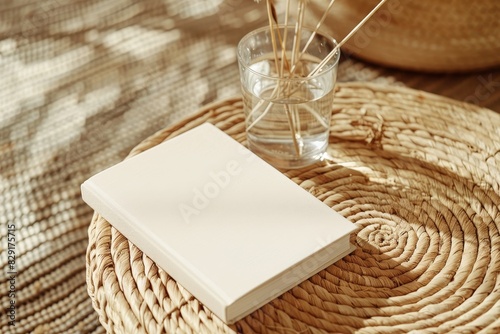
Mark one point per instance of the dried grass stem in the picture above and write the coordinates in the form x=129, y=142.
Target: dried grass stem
x=282, y=64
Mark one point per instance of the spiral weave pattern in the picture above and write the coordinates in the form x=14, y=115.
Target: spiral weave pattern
x=419, y=176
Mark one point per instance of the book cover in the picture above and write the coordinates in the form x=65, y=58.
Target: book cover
x=226, y=225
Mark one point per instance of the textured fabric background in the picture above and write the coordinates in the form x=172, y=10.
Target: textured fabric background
x=81, y=83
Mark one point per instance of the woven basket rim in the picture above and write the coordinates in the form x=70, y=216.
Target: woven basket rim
x=460, y=37
x=405, y=265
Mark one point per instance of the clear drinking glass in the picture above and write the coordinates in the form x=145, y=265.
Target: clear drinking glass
x=287, y=100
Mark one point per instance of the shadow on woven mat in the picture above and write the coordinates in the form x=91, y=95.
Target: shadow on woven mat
x=427, y=244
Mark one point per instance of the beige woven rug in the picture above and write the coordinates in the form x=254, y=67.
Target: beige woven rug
x=418, y=174
x=84, y=81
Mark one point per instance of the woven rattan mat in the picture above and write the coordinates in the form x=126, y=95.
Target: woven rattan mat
x=419, y=176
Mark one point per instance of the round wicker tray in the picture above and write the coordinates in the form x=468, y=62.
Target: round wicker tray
x=418, y=174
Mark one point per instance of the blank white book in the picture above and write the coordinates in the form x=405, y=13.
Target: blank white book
x=227, y=226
